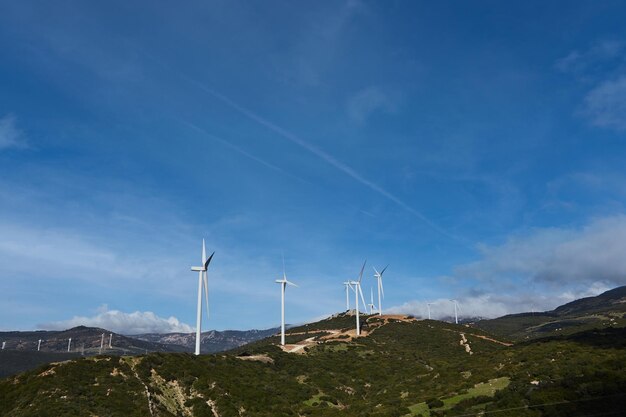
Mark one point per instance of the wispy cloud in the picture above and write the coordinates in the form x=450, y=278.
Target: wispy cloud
x=601, y=65
x=10, y=135
x=605, y=105
x=125, y=323
x=326, y=157
x=580, y=62
x=240, y=151
x=369, y=101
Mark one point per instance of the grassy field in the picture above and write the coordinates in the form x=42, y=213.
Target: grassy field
x=487, y=389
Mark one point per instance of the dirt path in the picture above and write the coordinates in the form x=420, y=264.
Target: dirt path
x=341, y=335
x=481, y=337
x=132, y=363
x=491, y=340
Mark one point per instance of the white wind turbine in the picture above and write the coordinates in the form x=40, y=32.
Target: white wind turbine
x=428, y=306
x=283, y=284
x=357, y=292
x=381, y=290
x=202, y=282
x=456, y=314
x=348, y=286
x=371, y=305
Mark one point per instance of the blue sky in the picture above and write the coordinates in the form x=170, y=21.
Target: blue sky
x=476, y=148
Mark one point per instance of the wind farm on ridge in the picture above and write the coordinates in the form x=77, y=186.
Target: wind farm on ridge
x=350, y=285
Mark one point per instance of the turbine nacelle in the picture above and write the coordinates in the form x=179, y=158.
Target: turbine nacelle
x=284, y=281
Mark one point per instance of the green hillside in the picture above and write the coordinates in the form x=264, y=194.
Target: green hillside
x=603, y=311
x=401, y=367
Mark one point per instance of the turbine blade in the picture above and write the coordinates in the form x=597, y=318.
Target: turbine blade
x=290, y=283
x=376, y=271
x=284, y=273
x=208, y=261
x=383, y=271
x=362, y=298
x=203, y=252
x=206, y=292
x=382, y=289
x=372, y=295
x=362, y=268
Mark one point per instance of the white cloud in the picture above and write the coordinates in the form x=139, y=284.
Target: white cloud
x=125, y=323
x=605, y=105
x=492, y=305
x=537, y=271
x=10, y=135
x=557, y=256
x=585, y=61
x=370, y=100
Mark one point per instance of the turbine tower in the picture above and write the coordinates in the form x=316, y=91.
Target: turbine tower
x=428, y=305
x=371, y=305
x=357, y=292
x=456, y=314
x=202, y=282
x=101, y=343
x=283, y=285
x=110, y=339
x=38, y=345
x=381, y=290
x=69, y=344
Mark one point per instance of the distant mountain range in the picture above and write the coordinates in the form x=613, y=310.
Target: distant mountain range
x=85, y=341
x=20, y=352
x=211, y=341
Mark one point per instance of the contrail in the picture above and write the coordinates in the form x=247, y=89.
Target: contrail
x=319, y=153
x=239, y=150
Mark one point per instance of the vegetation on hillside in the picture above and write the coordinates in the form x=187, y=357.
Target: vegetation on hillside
x=401, y=368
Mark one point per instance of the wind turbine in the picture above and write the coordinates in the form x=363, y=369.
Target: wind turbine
x=101, y=343
x=202, y=282
x=38, y=345
x=428, y=306
x=456, y=314
x=348, y=286
x=69, y=344
x=283, y=284
x=110, y=339
x=381, y=290
x=371, y=305
x=357, y=292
